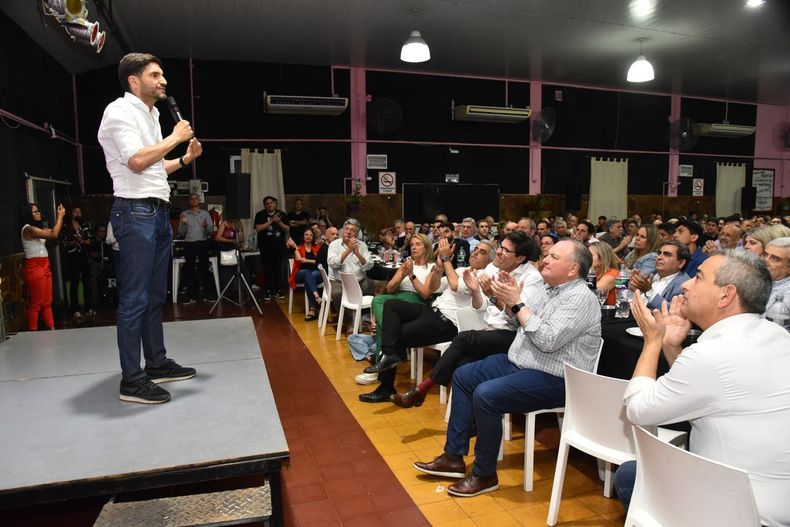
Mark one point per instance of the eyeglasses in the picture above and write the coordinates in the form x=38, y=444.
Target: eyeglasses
x=505, y=250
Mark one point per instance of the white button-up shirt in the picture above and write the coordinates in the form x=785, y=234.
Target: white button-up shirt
x=351, y=264
x=126, y=127
x=732, y=385
x=533, y=293
x=659, y=284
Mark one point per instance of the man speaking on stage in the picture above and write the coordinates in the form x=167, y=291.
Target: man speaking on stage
x=134, y=150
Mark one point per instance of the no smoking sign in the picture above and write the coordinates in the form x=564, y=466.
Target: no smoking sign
x=387, y=182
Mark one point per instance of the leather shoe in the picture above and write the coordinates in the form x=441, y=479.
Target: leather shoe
x=413, y=397
x=443, y=466
x=473, y=485
x=376, y=396
x=386, y=362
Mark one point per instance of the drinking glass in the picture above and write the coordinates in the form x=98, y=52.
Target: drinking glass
x=602, y=295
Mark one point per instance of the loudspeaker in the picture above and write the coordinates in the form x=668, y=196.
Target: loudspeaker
x=748, y=198
x=573, y=198
x=237, y=196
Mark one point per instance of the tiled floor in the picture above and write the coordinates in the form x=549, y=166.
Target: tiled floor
x=405, y=436
x=351, y=462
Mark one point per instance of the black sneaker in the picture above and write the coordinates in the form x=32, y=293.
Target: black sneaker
x=188, y=301
x=267, y=295
x=280, y=294
x=169, y=371
x=143, y=390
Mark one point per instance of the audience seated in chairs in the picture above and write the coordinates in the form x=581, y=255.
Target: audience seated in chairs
x=514, y=260
x=731, y=384
x=410, y=324
x=566, y=327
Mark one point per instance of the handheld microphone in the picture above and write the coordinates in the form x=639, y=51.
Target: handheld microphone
x=174, y=111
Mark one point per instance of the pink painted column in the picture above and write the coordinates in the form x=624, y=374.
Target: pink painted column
x=359, y=131
x=535, y=149
x=674, y=153
x=769, y=149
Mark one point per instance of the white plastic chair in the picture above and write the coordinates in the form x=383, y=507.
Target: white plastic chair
x=678, y=488
x=326, y=298
x=469, y=319
x=529, y=432
x=352, y=299
x=595, y=423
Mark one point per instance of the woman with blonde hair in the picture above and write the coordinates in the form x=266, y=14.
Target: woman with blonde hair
x=643, y=257
x=416, y=280
x=604, y=262
x=756, y=239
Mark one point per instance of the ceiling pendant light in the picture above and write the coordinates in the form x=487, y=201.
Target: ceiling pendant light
x=415, y=49
x=641, y=70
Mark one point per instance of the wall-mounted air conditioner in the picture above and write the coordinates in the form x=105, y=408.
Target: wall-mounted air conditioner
x=305, y=105
x=721, y=130
x=490, y=114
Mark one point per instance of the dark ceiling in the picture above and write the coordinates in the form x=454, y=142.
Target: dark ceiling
x=708, y=48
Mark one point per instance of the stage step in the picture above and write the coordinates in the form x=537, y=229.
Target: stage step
x=232, y=507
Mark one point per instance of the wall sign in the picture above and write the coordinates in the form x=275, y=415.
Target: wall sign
x=763, y=181
x=686, y=170
x=697, y=187
x=386, y=182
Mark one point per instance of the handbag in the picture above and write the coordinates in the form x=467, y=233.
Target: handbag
x=228, y=258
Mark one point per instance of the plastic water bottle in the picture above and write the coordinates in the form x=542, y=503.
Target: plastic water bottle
x=592, y=279
x=779, y=312
x=461, y=257
x=622, y=293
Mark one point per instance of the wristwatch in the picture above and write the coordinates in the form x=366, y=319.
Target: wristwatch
x=182, y=162
x=446, y=258
x=413, y=277
x=492, y=299
x=515, y=309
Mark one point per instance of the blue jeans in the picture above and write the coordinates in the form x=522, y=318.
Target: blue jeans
x=624, y=480
x=144, y=234
x=310, y=279
x=485, y=390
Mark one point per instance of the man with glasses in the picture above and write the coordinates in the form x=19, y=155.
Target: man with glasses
x=514, y=257
x=409, y=324
x=777, y=259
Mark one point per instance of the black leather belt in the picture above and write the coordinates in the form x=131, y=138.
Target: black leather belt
x=156, y=202
x=441, y=315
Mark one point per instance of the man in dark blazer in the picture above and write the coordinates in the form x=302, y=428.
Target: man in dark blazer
x=666, y=282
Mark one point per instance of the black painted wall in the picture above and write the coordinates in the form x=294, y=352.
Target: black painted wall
x=36, y=88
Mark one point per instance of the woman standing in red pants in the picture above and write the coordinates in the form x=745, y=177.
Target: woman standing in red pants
x=37, y=273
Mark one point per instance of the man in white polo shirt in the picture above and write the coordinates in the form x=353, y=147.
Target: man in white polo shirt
x=134, y=150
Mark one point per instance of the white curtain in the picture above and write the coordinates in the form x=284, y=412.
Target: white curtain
x=608, y=188
x=266, y=179
x=730, y=178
